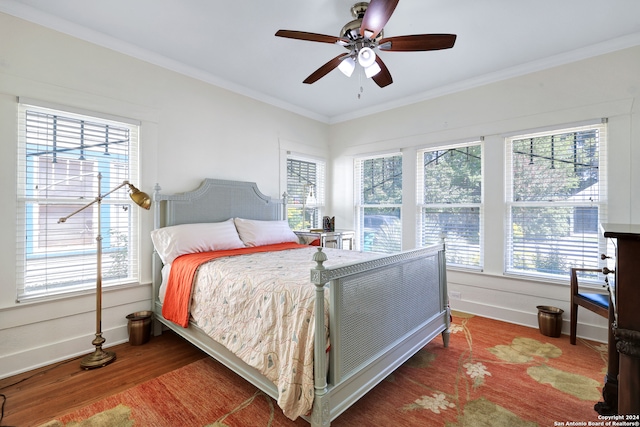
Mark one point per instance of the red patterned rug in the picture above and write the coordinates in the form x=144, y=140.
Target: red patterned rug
x=492, y=374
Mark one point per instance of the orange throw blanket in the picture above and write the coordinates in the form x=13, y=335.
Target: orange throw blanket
x=177, y=300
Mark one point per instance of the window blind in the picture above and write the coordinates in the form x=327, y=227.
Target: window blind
x=556, y=196
x=379, y=200
x=306, y=192
x=60, y=155
x=449, y=189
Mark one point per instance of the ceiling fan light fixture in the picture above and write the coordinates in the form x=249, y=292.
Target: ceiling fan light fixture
x=362, y=36
x=366, y=57
x=347, y=66
x=372, y=70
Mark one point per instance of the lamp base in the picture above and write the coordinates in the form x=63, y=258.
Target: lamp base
x=97, y=359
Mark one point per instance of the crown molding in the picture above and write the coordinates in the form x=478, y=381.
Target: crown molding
x=33, y=15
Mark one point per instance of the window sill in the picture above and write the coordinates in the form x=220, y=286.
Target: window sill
x=25, y=299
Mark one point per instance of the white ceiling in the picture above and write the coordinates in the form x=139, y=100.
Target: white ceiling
x=232, y=43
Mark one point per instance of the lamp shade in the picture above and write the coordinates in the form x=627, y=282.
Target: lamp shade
x=347, y=66
x=366, y=57
x=372, y=70
x=142, y=199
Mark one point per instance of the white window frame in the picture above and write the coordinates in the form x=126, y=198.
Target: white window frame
x=315, y=188
x=47, y=258
x=575, y=249
x=459, y=253
x=362, y=241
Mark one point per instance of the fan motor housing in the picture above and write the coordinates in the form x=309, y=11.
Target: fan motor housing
x=351, y=30
x=358, y=9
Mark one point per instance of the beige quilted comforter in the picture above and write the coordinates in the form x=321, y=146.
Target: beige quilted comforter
x=261, y=307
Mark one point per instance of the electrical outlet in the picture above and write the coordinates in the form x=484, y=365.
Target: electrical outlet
x=455, y=295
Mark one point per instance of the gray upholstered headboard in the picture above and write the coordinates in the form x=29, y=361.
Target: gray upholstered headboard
x=214, y=201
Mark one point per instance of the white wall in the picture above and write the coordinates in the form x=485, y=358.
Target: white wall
x=190, y=130
x=606, y=86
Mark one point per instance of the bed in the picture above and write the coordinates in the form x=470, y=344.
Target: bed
x=380, y=310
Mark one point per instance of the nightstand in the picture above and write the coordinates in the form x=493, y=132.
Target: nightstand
x=339, y=239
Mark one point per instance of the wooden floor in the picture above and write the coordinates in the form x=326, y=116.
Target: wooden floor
x=38, y=396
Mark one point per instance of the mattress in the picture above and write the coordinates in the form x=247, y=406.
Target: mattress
x=261, y=307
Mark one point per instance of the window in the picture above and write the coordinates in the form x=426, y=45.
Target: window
x=305, y=189
x=60, y=156
x=450, y=201
x=378, y=203
x=556, y=196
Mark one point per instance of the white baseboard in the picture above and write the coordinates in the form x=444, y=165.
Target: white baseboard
x=592, y=332
x=41, y=334
x=62, y=351
x=37, y=357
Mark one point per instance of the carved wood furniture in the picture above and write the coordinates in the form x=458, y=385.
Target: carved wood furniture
x=625, y=285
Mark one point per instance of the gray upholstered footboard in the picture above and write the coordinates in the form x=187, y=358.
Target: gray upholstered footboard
x=381, y=313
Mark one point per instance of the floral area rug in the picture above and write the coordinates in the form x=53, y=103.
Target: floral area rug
x=492, y=374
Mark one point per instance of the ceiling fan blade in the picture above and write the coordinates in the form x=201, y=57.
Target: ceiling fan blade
x=417, y=42
x=383, y=78
x=376, y=17
x=325, y=69
x=312, y=37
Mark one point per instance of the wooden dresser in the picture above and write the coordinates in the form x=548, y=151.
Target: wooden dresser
x=625, y=282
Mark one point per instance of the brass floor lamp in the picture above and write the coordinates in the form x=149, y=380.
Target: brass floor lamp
x=101, y=357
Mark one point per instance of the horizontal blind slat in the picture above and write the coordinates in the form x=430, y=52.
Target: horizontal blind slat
x=60, y=156
x=557, y=198
x=378, y=182
x=305, y=190
x=449, y=186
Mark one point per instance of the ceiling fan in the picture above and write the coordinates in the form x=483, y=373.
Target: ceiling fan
x=364, y=34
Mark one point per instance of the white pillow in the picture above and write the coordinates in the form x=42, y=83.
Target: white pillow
x=171, y=242
x=259, y=233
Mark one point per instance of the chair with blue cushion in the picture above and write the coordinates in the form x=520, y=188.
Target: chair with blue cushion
x=594, y=301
